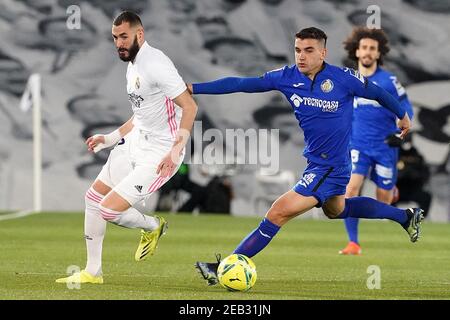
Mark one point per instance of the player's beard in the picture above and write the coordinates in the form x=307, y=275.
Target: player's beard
x=132, y=51
x=369, y=64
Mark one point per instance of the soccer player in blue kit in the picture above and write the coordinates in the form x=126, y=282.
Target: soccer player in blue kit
x=371, y=126
x=321, y=96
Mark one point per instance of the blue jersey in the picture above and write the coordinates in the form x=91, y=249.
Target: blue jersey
x=323, y=106
x=372, y=123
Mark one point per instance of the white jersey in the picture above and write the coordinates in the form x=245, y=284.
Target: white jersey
x=152, y=83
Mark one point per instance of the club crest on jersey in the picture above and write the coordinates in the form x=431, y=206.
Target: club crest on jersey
x=327, y=85
x=138, y=83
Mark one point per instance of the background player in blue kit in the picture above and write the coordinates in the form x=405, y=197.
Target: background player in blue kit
x=372, y=124
x=321, y=96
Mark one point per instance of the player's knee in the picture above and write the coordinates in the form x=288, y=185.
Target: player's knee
x=92, y=199
x=385, y=197
x=278, y=214
x=108, y=214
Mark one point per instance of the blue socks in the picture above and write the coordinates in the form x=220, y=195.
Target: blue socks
x=358, y=207
x=368, y=208
x=258, y=239
x=351, y=224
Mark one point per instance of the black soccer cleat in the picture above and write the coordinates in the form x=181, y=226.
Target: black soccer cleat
x=209, y=270
x=412, y=226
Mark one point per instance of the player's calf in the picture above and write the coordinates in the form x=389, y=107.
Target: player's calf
x=334, y=207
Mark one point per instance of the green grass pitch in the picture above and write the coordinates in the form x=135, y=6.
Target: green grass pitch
x=300, y=263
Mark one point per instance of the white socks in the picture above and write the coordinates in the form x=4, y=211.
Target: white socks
x=94, y=230
x=95, y=227
x=130, y=218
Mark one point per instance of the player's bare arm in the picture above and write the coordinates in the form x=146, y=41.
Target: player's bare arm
x=189, y=88
x=170, y=161
x=98, y=142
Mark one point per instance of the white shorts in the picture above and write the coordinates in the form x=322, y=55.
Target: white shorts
x=131, y=167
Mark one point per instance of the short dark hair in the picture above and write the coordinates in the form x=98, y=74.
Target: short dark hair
x=128, y=16
x=312, y=33
x=352, y=42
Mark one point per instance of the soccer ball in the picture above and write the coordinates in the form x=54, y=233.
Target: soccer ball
x=237, y=273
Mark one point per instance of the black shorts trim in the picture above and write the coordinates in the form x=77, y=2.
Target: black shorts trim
x=322, y=180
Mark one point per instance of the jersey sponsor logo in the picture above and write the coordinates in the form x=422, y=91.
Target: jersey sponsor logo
x=297, y=100
x=135, y=100
x=296, y=85
x=355, y=74
x=307, y=179
x=327, y=85
x=325, y=105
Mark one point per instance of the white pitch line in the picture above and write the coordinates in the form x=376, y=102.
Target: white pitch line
x=16, y=215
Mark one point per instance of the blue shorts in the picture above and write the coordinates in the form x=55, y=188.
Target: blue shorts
x=381, y=162
x=323, y=182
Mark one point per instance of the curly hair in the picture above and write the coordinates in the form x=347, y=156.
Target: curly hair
x=352, y=42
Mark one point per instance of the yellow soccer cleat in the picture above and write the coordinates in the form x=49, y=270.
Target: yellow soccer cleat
x=149, y=240
x=81, y=277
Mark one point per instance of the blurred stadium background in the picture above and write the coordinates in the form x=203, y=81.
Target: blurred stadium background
x=84, y=84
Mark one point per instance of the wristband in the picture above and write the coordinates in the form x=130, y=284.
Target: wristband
x=110, y=140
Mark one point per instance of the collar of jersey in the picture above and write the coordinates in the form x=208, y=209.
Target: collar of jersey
x=324, y=66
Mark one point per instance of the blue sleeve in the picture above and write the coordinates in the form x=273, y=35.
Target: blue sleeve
x=232, y=85
x=267, y=82
x=395, y=88
x=404, y=101
x=362, y=87
x=374, y=92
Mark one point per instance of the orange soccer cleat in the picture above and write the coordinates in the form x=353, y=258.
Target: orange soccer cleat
x=352, y=248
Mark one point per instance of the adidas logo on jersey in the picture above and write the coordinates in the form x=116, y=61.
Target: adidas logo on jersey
x=138, y=188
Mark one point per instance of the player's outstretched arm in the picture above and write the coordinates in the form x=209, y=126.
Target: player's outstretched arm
x=101, y=141
x=171, y=160
x=384, y=98
x=232, y=85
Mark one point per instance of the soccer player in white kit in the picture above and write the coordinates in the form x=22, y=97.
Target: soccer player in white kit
x=148, y=150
